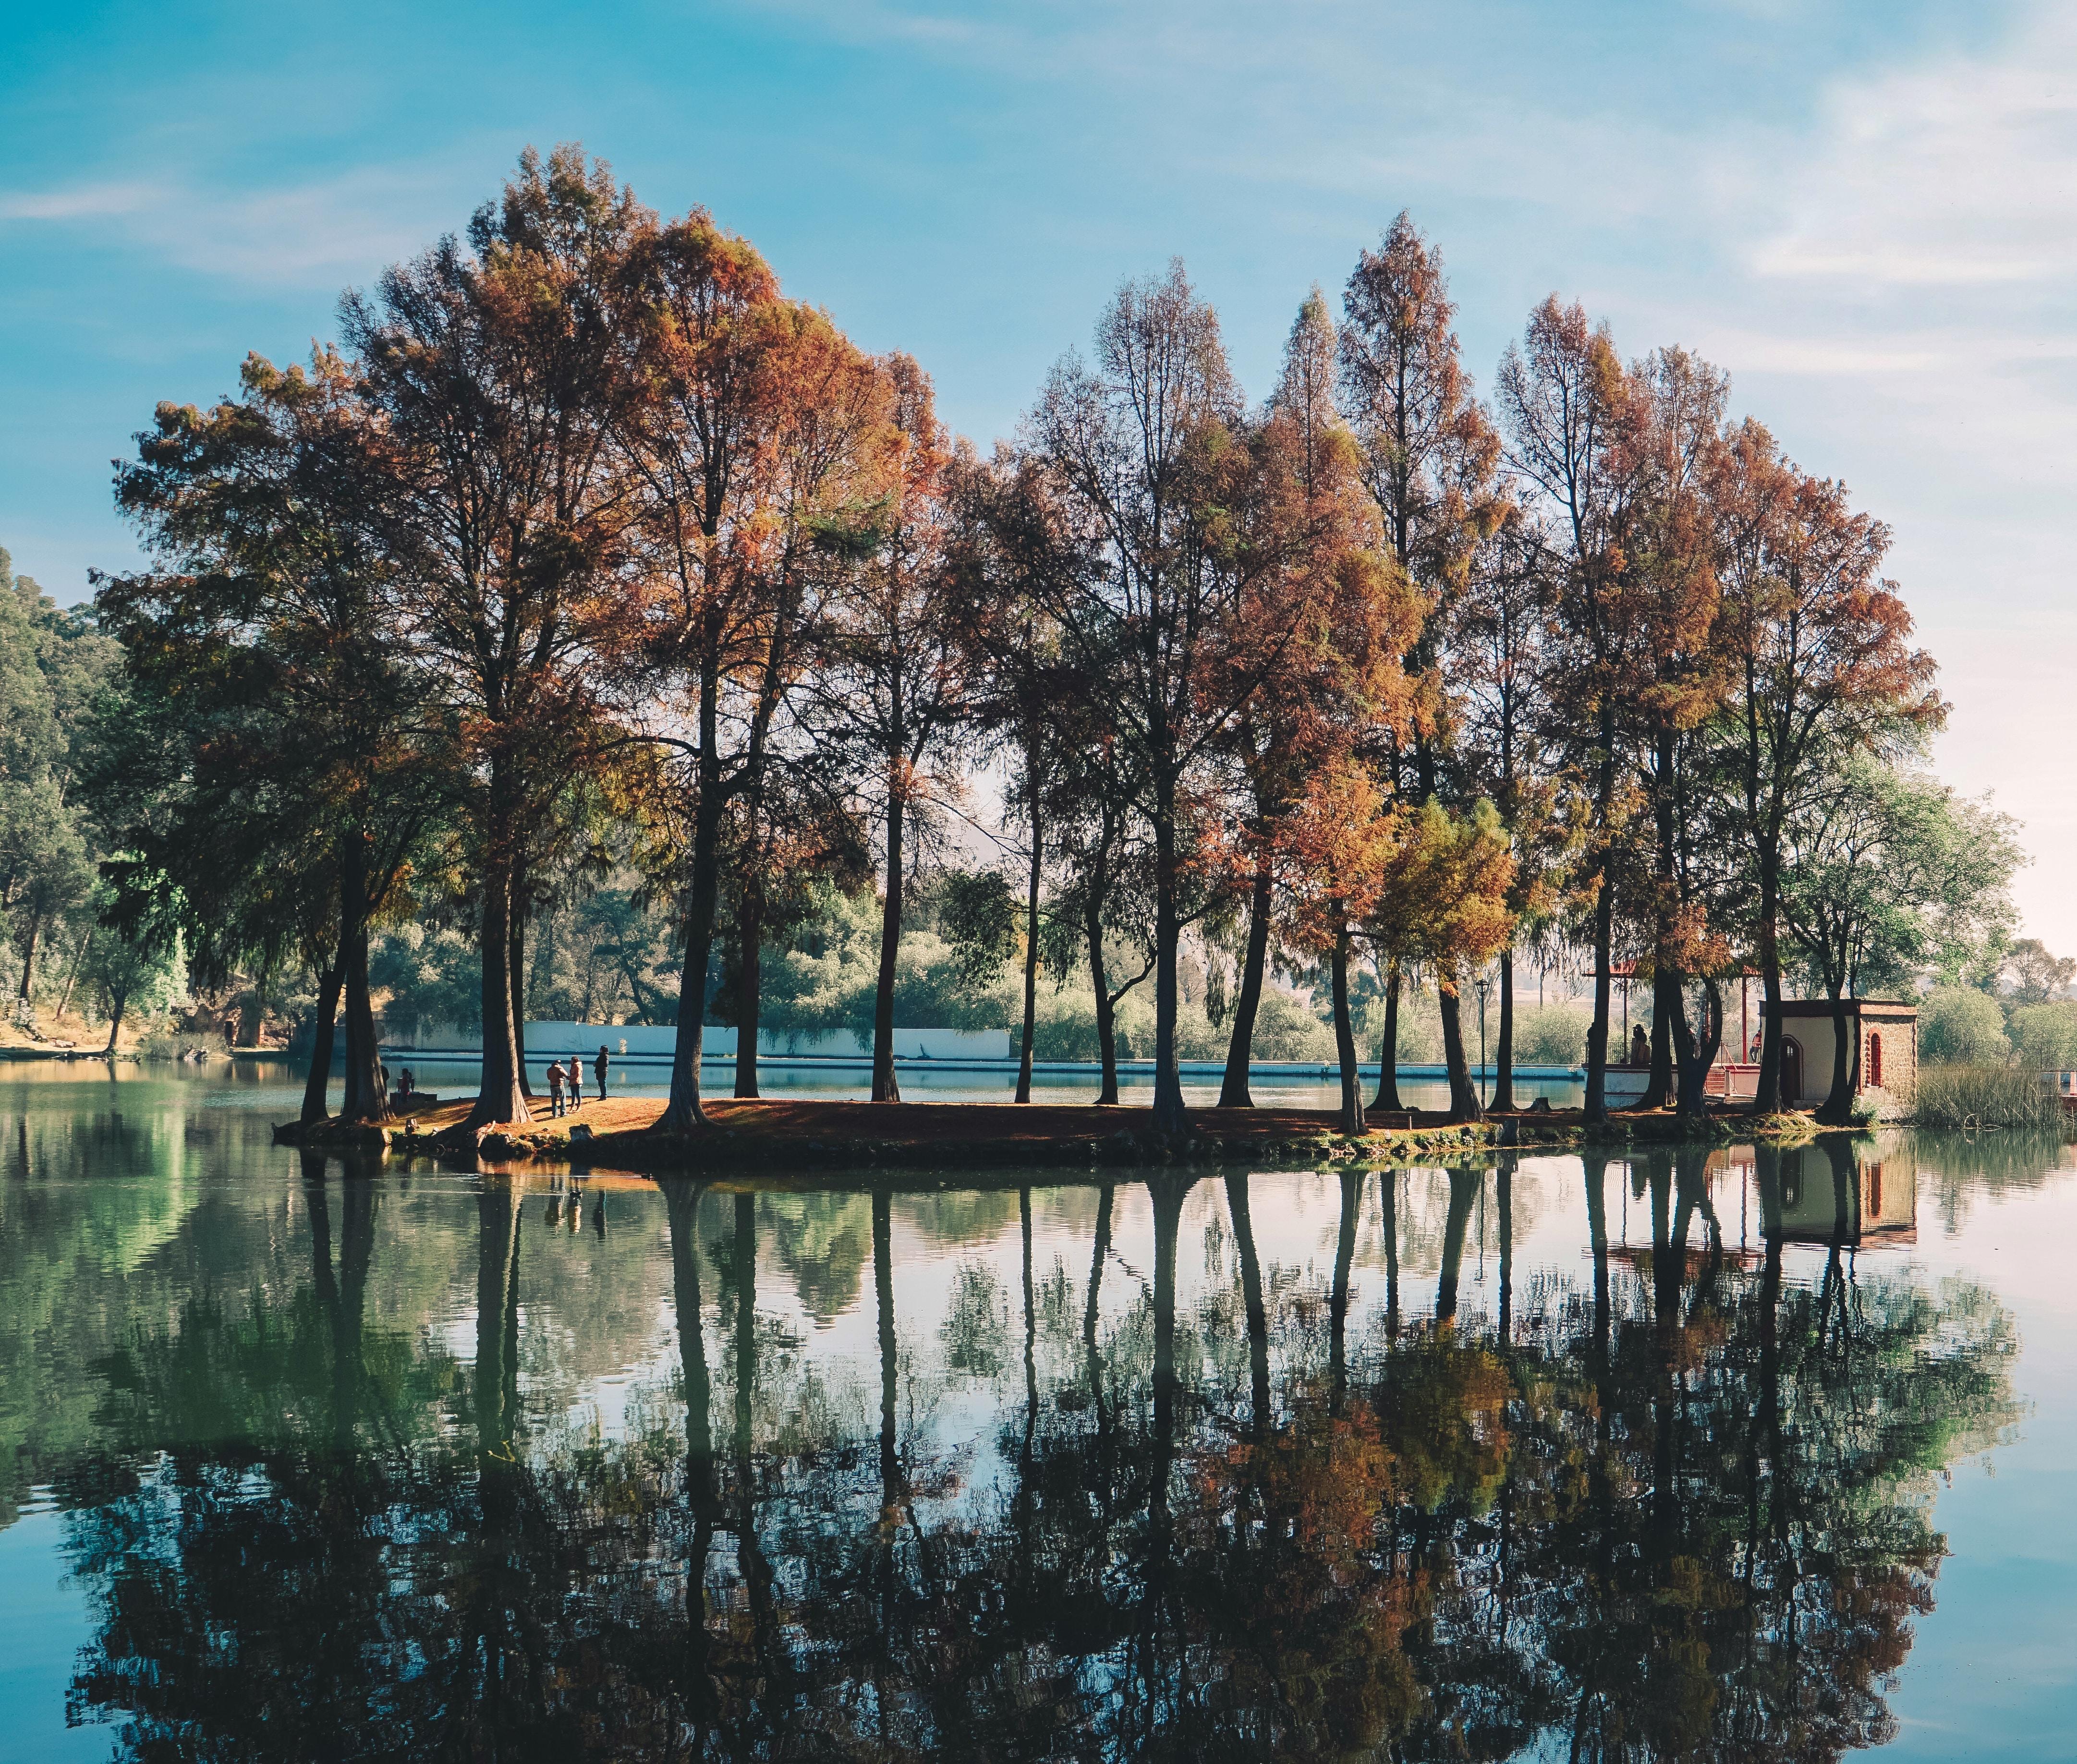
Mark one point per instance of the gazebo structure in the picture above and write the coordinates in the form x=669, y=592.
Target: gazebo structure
x=1887, y=1032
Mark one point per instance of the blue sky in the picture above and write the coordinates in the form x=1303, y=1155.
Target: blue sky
x=1867, y=213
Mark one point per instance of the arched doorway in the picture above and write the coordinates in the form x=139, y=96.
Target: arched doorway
x=1874, y=1058
x=1792, y=1069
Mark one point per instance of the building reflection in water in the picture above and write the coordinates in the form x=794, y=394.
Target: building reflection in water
x=1663, y=1502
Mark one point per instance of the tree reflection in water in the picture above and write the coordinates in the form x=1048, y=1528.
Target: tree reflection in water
x=1673, y=1510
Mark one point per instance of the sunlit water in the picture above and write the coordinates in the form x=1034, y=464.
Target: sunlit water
x=306, y=1461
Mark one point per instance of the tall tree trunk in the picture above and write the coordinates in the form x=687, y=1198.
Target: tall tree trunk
x=1665, y=975
x=683, y=1113
x=1838, y=1107
x=1766, y=1099
x=364, y=1100
x=499, y=1096
x=1100, y=980
x=1240, y=1047
x=318, y=1080
x=117, y=1001
x=29, y=953
x=1344, y=1038
x=516, y=942
x=749, y=985
x=71, y=974
x=1031, y=944
x=1503, y=1095
x=1698, y=1053
x=1665, y=1001
x=1463, y=1098
x=885, y=1087
x=1170, y=1115
x=1387, y=1052
x=1596, y=1108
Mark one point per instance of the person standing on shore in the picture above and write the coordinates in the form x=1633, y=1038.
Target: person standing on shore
x=573, y=1077
x=598, y=1066
x=555, y=1088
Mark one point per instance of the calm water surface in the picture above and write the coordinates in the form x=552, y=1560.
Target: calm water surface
x=1734, y=1456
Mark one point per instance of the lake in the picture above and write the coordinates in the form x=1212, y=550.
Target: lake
x=1747, y=1454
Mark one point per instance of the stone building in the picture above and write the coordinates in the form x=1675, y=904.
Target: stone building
x=1887, y=1032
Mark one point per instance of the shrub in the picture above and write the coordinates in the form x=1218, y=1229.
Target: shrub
x=1552, y=1034
x=1957, y=1096
x=1959, y=1025
x=1285, y=1029
x=1874, y=1103
x=2045, y=1036
x=1066, y=1027
x=1420, y=1028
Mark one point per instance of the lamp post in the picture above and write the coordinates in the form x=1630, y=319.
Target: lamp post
x=1482, y=982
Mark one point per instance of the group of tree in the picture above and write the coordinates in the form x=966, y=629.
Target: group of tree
x=63, y=804
x=588, y=546
x=2016, y=1006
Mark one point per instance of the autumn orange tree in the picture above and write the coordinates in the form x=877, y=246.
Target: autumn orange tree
x=1148, y=448
x=1340, y=841
x=1668, y=539
x=1006, y=546
x=497, y=373
x=1568, y=403
x=1342, y=614
x=1442, y=900
x=758, y=424
x=1430, y=459
x=893, y=685
x=300, y=767
x=1498, y=657
x=1817, y=643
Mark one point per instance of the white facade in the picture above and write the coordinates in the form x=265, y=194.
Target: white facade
x=647, y=1043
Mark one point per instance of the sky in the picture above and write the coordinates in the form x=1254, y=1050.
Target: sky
x=1866, y=214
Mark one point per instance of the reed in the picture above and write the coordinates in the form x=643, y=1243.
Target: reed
x=1962, y=1097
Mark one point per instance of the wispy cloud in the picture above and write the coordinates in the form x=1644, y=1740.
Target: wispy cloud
x=317, y=233
x=81, y=202
x=1962, y=174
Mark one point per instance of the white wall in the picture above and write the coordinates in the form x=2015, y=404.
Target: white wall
x=554, y=1040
